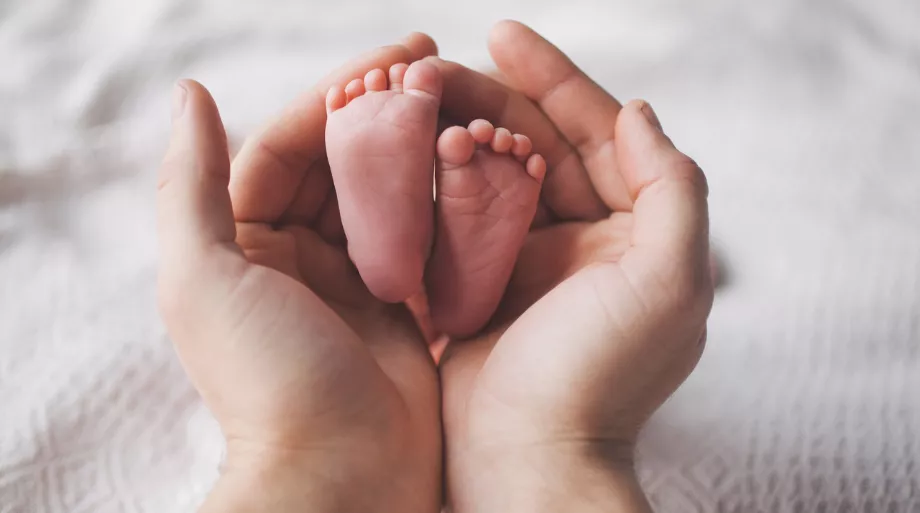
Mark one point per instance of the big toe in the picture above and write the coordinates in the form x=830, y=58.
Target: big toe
x=424, y=79
x=456, y=146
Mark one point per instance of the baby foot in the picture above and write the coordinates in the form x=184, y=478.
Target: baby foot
x=380, y=142
x=486, y=200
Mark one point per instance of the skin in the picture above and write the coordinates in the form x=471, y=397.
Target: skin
x=606, y=310
x=319, y=388
x=380, y=147
x=486, y=200
x=603, y=318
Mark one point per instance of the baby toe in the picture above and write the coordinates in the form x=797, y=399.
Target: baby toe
x=502, y=140
x=536, y=167
x=397, y=75
x=335, y=99
x=375, y=80
x=456, y=146
x=423, y=78
x=482, y=131
x=354, y=89
x=521, y=147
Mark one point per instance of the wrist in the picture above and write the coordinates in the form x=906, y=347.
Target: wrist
x=275, y=481
x=259, y=479
x=578, y=477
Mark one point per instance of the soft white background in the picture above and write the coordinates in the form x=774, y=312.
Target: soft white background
x=805, y=115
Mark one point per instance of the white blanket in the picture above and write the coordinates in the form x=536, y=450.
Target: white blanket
x=805, y=115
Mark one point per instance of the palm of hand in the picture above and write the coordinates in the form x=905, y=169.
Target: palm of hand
x=338, y=357
x=302, y=368
x=290, y=351
x=342, y=366
x=318, y=373
x=521, y=378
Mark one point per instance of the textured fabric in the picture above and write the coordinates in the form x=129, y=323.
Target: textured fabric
x=805, y=115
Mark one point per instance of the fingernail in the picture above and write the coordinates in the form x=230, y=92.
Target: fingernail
x=180, y=97
x=650, y=115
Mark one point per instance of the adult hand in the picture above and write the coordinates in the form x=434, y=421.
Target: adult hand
x=328, y=398
x=606, y=311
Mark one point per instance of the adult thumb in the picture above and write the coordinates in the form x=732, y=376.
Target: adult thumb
x=670, y=239
x=199, y=261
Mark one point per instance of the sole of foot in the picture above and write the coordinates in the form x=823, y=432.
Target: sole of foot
x=488, y=186
x=380, y=141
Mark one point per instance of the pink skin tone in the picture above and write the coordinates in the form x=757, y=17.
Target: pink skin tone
x=603, y=318
x=380, y=143
x=486, y=200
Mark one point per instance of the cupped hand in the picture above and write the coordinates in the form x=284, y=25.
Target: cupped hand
x=328, y=398
x=606, y=311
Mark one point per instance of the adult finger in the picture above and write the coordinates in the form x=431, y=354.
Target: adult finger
x=581, y=110
x=670, y=237
x=469, y=95
x=198, y=258
x=270, y=167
